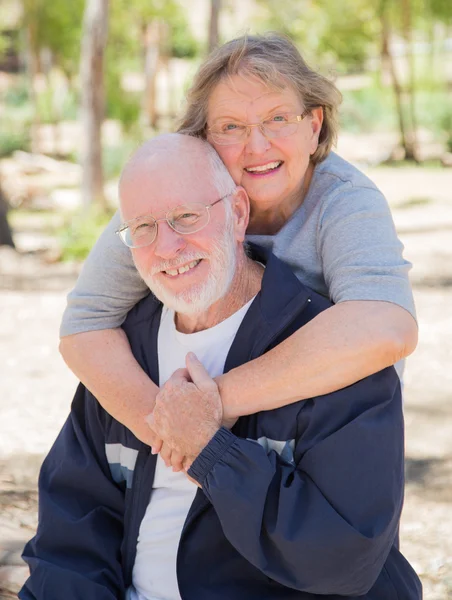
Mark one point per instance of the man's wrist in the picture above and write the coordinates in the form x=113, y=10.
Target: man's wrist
x=210, y=454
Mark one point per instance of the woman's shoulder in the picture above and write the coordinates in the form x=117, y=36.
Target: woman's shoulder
x=336, y=173
x=340, y=187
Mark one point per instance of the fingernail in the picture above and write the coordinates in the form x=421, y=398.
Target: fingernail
x=153, y=450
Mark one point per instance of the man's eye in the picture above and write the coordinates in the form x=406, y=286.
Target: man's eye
x=187, y=217
x=142, y=228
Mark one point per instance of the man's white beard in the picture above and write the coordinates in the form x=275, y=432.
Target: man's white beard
x=198, y=298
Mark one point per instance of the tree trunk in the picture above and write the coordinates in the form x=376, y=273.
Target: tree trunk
x=94, y=40
x=388, y=62
x=6, y=238
x=33, y=69
x=151, y=41
x=411, y=153
x=214, y=38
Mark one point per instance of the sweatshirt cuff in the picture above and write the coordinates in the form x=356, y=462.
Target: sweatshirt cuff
x=218, y=445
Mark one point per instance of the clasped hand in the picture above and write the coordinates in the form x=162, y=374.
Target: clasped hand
x=188, y=412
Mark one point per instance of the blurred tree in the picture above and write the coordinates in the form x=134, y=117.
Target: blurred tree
x=53, y=27
x=214, y=24
x=94, y=40
x=6, y=238
x=330, y=34
x=143, y=36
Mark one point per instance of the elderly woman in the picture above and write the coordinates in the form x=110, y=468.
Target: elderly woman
x=273, y=122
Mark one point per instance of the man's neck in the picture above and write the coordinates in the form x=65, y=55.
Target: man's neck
x=245, y=285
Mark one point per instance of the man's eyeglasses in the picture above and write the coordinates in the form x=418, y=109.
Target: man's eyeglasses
x=274, y=127
x=184, y=219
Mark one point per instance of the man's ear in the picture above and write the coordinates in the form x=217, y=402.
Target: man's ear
x=316, y=120
x=241, y=212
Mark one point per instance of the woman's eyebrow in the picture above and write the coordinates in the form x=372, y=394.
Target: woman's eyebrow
x=284, y=107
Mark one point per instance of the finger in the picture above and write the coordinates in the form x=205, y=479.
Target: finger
x=165, y=454
x=156, y=441
x=179, y=377
x=198, y=373
x=177, y=461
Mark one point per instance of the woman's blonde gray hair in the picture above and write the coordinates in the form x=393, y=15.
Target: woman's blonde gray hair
x=276, y=61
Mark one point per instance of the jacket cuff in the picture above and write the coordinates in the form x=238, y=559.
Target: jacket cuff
x=218, y=445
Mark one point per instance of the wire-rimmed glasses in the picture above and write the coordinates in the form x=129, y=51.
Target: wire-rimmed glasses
x=184, y=219
x=231, y=132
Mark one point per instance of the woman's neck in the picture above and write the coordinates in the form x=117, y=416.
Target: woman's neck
x=268, y=220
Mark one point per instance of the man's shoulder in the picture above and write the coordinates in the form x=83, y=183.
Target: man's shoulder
x=145, y=310
x=282, y=291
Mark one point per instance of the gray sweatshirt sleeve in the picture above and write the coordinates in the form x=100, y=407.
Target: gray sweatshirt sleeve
x=362, y=257
x=107, y=288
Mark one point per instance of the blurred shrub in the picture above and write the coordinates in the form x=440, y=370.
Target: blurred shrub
x=81, y=231
x=115, y=157
x=57, y=104
x=121, y=105
x=368, y=109
x=181, y=43
x=446, y=125
x=17, y=95
x=13, y=138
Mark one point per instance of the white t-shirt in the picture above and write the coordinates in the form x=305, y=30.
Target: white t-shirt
x=154, y=572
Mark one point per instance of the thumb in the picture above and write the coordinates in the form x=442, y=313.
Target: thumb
x=199, y=376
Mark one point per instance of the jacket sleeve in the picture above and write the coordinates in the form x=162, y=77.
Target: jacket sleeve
x=76, y=550
x=324, y=522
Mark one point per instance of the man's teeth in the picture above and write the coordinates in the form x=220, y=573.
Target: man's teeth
x=268, y=167
x=183, y=269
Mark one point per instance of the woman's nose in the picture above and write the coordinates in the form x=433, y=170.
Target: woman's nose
x=257, y=143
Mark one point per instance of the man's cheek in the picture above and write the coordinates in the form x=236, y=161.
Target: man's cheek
x=142, y=260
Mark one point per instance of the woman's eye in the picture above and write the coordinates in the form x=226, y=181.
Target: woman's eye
x=230, y=127
x=279, y=118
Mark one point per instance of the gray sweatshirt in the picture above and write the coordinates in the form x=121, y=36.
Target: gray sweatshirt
x=341, y=242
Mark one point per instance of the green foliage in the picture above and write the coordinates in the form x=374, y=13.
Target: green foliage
x=13, y=137
x=120, y=104
x=329, y=33
x=446, y=126
x=17, y=95
x=368, y=109
x=4, y=44
x=80, y=232
x=55, y=104
x=115, y=157
x=56, y=24
x=181, y=43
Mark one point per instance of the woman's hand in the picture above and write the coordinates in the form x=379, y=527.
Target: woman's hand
x=187, y=413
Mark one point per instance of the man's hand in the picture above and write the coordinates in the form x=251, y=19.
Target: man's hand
x=187, y=414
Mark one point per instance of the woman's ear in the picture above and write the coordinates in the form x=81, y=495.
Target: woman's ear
x=316, y=121
x=241, y=212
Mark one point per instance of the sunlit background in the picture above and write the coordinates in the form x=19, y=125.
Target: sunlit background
x=392, y=61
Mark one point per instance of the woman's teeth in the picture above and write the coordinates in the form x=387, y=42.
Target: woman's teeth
x=263, y=168
x=184, y=269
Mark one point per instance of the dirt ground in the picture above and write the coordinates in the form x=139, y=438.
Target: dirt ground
x=36, y=387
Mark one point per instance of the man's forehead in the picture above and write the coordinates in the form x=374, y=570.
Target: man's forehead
x=158, y=184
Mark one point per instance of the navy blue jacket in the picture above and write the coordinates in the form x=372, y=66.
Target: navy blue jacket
x=301, y=502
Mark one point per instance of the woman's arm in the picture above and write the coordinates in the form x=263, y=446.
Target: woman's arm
x=342, y=345
x=104, y=363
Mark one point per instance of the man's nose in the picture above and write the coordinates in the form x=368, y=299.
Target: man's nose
x=168, y=242
x=257, y=143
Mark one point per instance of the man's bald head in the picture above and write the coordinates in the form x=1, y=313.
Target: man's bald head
x=174, y=161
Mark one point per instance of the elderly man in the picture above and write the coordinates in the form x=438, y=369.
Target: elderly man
x=290, y=504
